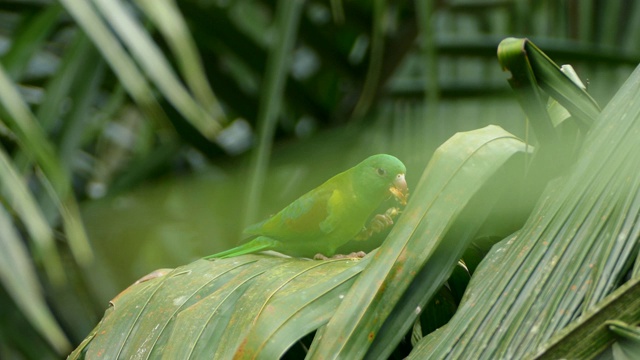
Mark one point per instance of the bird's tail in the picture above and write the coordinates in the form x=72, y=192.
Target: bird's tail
x=258, y=244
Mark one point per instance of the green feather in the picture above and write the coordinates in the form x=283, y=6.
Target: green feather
x=260, y=243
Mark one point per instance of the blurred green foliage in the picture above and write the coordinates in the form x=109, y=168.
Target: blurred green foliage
x=142, y=116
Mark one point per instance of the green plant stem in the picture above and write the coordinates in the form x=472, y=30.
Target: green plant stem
x=287, y=19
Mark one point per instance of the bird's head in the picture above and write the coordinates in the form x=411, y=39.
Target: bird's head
x=384, y=174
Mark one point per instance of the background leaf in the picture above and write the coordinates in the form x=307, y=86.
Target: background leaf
x=19, y=278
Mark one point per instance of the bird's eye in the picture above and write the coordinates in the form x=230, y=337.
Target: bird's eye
x=381, y=172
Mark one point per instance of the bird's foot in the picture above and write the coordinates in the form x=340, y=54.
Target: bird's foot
x=378, y=223
x=382, y=221
x=353, y=255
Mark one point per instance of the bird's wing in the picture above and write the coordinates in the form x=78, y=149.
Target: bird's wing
x=335, y=207
x=299, y=220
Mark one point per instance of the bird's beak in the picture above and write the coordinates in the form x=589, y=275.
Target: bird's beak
x=399, y=189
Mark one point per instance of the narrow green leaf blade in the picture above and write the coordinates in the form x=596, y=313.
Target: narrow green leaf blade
x=166, y=16
x=29, y=40
x=15, y=191
x=35, y=143
x=151, y=59
x=18, y=277
x=120, y=62
x=287, y=19
x=31, y=136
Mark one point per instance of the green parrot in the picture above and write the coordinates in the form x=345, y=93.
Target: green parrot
x=329, y=216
